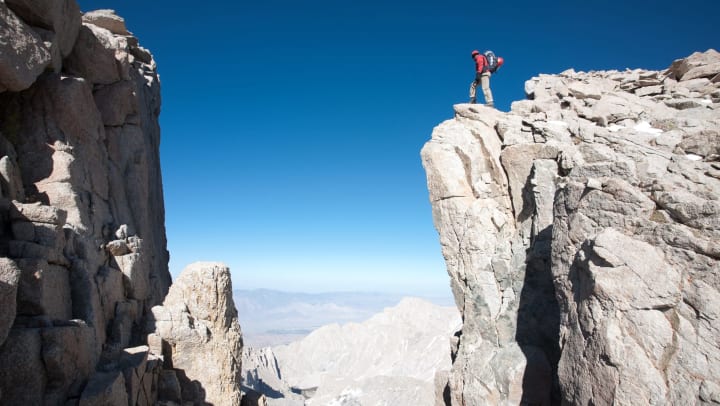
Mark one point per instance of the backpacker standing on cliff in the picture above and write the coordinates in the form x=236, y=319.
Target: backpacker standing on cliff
x=485, y=65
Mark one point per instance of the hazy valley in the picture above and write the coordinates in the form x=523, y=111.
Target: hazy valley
x=390, y=358
x=271, y=317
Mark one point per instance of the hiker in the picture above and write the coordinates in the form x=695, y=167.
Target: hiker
x=485, y=65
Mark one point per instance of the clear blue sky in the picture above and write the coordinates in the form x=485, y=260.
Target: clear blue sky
x=291, y=131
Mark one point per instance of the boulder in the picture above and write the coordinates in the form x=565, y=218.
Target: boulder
x=649, y=90
x=62, y=18
x=685, y=103
x=51, y=43
x=25, y=55
x=99, y=56
x=106, y=19
x=117, y=248
x=701, y=142
x=582, y=90
x=701, y=64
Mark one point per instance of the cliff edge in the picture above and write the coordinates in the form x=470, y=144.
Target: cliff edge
x=580, y=232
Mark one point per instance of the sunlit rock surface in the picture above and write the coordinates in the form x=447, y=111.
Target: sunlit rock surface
x=580, y=232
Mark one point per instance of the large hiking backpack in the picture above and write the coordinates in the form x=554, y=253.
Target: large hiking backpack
x=492, y=62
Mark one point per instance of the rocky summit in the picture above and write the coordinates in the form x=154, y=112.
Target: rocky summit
x=580, y=232
x=83, y=256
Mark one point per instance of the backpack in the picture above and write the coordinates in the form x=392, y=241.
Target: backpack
x=492, y=62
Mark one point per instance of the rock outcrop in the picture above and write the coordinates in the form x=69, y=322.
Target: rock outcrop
x=580, y=232
x=83, y=254
x=201, y=338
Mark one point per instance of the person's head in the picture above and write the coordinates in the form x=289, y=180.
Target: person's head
x=474, y=53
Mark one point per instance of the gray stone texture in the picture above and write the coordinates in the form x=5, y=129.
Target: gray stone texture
x=580, y=234
x=99, y=56
x=60, y=18
x=9, y=279
x=10, y=179
x=199, y=322
x=79, y=159
x=67, y=361
x=25, y=55
x=108, y=20
x=23, y=377
x=106, y=389
x=44, y=290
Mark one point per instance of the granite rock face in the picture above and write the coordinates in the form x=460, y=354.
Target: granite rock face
x=580, y=232
x=83, y=259
x=79, y=161
x=83, y=256
x=25, y=55
x=198, y=325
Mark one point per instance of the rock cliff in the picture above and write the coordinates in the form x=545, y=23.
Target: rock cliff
x=83, y=254
x=580, y=232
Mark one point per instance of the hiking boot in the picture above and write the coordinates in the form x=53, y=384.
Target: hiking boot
x=473, y=100
x=491, y=104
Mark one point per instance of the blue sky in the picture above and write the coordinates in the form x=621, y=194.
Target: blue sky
x=291, y=131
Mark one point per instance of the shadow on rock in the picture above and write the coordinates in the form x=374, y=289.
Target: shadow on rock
x=538, y=326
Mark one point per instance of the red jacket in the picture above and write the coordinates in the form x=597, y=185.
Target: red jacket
x=480, y=62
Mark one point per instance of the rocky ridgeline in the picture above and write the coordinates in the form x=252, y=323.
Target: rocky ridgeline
x=581, y=233
x=83, y=256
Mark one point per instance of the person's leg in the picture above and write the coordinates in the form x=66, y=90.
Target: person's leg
x=473, y=89
x=485, y=83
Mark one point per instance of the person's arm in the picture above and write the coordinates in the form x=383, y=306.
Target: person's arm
x=480, y=63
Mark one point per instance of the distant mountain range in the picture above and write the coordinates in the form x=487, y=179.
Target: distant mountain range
x=391, y=358
x=270, y=317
